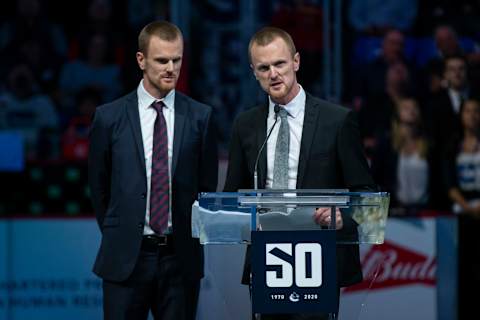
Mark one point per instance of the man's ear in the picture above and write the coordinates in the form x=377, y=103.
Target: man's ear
x=296, y=62
x=140, y=60
x=253, y=71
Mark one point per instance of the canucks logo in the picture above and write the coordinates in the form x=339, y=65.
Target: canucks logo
x=294, y=297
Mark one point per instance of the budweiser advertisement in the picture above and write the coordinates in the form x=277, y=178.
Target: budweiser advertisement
x=403, y=277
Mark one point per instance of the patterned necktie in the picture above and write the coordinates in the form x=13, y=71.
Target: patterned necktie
x=159, y=188
x=280, y=164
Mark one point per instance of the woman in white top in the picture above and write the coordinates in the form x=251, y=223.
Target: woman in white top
x=401, y=165
x=463, y=162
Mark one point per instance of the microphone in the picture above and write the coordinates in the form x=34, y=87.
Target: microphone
x=276, y=109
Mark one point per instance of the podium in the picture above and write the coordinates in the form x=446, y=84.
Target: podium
x=293, y=259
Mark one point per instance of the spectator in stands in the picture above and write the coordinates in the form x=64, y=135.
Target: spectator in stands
x=99, y=19
x=26, y=110
x=376, y=114
x=462, y=177
x=93, y=69
x=44, y=66
x=370, y=81
x=75, y=137
x=444, y=118
x=446, y=41
x=401, y=161
x=447, y=45
x=29, y=21
x=463, y=162
x=445, y=106
x=28, y=36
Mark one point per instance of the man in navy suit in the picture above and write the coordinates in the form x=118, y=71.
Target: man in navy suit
x=151, y=152
x=324, y=148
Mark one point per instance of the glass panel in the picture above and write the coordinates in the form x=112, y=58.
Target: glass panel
x=228, y=217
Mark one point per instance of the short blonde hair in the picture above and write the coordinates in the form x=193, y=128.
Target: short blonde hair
x=267, y=35
x=164, y=30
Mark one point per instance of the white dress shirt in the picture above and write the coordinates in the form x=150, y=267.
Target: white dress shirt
x=456, y=99
x=147, y=120
x=296, y=113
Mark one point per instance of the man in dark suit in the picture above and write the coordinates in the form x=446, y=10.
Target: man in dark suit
x=324, y=149
x=445, y=106
x=151, y=152
x=443, y=116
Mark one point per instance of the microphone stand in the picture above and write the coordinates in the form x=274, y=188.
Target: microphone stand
x=276, y=109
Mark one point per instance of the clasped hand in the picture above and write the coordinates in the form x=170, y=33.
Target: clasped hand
x=322, y=216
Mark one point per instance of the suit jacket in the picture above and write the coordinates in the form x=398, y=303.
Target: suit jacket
x=331, y=156
x=118, y=183
x=443, y=123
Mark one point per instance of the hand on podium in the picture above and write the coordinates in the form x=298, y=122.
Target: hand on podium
x=322, y=216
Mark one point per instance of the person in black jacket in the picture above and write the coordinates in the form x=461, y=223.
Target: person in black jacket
x=324, y=144
x=151, y=153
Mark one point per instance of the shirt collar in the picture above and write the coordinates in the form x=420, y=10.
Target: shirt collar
x=462, y=93
x=146, y=99
x=294, y=107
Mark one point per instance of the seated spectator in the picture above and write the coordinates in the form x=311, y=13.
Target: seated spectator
x=401, y=161
x=92, y=70
x=26, y=110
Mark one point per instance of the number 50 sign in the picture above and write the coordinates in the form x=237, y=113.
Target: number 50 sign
x=294, y=271
x=307, y=266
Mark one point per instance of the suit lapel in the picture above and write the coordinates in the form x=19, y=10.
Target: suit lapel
x=181, y=108
x=261, y=125
x=310, y=122
x=134, y=118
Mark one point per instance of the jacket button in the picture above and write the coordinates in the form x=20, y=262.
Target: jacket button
x=140, y=225
x=143, y=195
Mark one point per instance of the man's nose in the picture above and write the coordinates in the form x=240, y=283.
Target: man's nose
x=170, y=66
x=273, y=72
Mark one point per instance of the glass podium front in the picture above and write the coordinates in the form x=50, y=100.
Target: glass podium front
x=230, y=220
x=229, y=217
